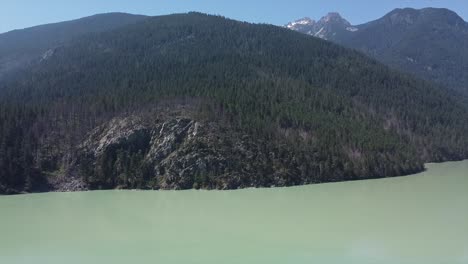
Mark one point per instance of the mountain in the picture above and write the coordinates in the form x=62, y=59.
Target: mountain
x=19, y=48
x=198, y=101
x=431, y=43
x=329, y=27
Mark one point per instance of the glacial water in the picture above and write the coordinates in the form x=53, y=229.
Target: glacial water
x=408, y=220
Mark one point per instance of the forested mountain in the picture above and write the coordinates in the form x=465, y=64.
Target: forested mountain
x=19, y=48
x=431, y=43
x=199, y=101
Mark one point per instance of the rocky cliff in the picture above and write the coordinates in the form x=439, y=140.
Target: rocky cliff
x=178, y=152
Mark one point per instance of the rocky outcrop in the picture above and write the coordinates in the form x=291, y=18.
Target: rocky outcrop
x=178, y=152
x=67, y=183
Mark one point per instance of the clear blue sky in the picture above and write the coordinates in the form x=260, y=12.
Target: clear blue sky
x=16, y=14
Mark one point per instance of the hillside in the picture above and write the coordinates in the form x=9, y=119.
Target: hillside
x=198, y=101
x=19, y=48
x=431, y=43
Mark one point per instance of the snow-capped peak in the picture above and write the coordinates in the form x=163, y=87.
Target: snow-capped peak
x=326, y=28
x=301, y=22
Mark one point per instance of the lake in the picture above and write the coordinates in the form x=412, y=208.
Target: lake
x=408, y=220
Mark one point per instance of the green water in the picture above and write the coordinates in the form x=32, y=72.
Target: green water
x=416, y=219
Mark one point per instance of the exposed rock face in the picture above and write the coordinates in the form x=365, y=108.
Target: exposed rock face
x=68, y=183
x=170, y=150
x=177, y=153
x=113, y=134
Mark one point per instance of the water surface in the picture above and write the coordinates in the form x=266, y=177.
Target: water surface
x=408, y=220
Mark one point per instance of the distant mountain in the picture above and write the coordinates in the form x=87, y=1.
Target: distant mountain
x=19, y=48
x=329, y=27
x=199, y=101
x=431, y=43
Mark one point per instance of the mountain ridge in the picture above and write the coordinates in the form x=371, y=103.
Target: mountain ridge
x=425, y=42
x=19, y=48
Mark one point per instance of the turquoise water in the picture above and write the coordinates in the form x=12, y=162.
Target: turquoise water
x=416, y=219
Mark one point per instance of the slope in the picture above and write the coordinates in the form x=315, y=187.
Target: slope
x=274, y=107
x=18, y=48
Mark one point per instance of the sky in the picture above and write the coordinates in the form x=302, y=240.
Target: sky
x=17, y=14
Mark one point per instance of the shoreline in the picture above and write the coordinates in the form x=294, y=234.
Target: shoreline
x=236, y=189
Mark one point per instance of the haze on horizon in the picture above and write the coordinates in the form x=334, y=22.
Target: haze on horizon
x=18, y=14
